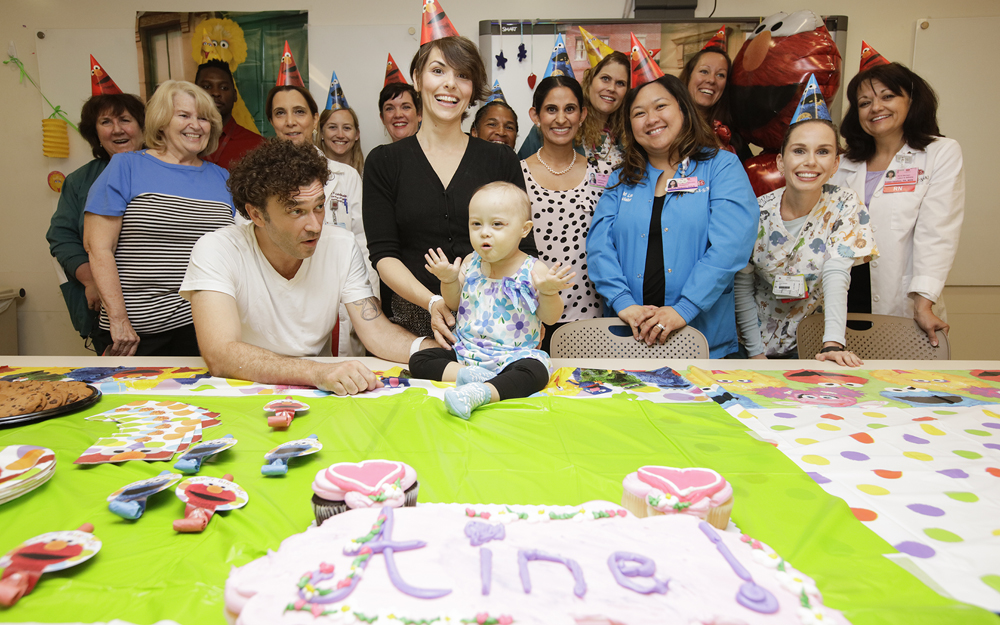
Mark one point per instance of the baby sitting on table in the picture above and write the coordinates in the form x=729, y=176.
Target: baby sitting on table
x=503, y=296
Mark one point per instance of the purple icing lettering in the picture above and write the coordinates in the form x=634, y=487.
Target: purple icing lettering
x=625, y=564
x=486, y=568
x=750, y=595
x=381, y=543
x=480, y=533
x=527, y=555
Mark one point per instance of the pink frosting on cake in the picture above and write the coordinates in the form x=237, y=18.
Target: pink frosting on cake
x=365, y=484
x=701, y=488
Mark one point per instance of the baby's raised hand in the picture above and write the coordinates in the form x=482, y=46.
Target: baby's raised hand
x=552, y=281
x=437, y=264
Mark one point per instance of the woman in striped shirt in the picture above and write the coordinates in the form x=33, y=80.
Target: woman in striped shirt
x=144, y=214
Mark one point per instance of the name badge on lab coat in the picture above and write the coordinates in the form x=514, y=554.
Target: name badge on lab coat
x=790, y=288
x=900, y=180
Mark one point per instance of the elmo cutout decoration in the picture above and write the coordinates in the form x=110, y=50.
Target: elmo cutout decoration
x=769, y=75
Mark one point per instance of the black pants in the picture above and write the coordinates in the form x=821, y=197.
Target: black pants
x=518, y=379
x=177, y=342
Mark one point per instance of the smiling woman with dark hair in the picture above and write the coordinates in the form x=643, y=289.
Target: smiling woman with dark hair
x=111, y=124
x=417, y=190
x=891, y=130
x=663, y=256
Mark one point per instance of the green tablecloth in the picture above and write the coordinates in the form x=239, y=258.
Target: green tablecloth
x=533, y=451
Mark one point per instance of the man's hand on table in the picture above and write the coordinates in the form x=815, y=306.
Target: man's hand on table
x=346, y=378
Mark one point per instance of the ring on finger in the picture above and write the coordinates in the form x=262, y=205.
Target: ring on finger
x=661, y=326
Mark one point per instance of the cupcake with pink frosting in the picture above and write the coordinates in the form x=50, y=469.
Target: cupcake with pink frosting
x=654, y=490
x=367, y=484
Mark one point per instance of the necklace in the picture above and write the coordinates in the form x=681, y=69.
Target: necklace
x=552, y=171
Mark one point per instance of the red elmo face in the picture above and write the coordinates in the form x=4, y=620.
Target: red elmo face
x=38, y=556
x=209, y=496
x=771, y=70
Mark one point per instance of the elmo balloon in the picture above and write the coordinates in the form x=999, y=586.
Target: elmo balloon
x=769, y=74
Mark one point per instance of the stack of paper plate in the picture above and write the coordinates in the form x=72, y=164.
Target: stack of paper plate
x=23, y=468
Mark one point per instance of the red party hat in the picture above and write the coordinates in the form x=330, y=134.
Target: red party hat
x=288, y=72
x=870, y=57
x=100, y=82
x=392, y=73
x=644, y=68
x=718, y=40
x=435, y=24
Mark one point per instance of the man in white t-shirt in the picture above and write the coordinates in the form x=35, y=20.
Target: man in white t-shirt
x=267, y=292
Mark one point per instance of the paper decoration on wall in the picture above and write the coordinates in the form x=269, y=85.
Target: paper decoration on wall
x=336, y=99
x=56, y=180
x=192, y=460
x=392, y=73
x=277, y=459
x=284, y=411
x=644, y=68
x=204, y=497
x=56, y=110
x=23, y=468
x=501, y=60
x=718, y=40
x=559, y=64
x=129, y=502
x=522, y=53
x=870, y=57
x=229, y=45
x=596, y=49
x=288, y=71
x=55, y=138
x=47, y=553
x=149, y=430
x=812, y=105
x=434, y=23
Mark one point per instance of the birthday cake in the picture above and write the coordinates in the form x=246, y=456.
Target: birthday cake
x=499, y=565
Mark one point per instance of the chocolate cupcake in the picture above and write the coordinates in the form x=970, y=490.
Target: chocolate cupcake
x=366, y=484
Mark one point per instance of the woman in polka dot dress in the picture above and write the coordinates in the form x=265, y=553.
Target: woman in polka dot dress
x=564, y=189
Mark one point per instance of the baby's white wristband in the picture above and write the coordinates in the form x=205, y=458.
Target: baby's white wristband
x=430, y=304
x=415, y=345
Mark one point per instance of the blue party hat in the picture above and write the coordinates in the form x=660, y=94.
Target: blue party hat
x=812, y=105
x=336, y=100
x=497, y=94
x=559, y=64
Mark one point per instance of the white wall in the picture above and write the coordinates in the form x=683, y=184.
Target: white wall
x=26, y=203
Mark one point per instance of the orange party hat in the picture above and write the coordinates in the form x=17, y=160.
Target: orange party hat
x=435, y=23
x=718, y=40
x=870, y=57
x=100, y=82
x=644, y=68
x=392, y=73
x=288, y=72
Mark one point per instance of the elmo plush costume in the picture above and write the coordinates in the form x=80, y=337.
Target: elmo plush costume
x=769, y=75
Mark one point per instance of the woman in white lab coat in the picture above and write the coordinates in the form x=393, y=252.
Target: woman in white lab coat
x=913, y=182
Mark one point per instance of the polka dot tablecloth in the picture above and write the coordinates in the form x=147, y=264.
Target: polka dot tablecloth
x=925, y=479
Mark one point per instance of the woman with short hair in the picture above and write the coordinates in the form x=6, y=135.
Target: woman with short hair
x=145, y=212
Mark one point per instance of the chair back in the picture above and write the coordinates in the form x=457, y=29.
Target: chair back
x=609, y=337
x=888, y=338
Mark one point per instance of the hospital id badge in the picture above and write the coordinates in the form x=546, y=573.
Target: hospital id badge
x=901, y=180
x=790, y=288
x=682, y=184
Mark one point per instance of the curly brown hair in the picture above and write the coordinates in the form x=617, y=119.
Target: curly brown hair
x=276, y=169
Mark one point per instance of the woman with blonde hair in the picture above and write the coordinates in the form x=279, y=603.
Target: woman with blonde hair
x=339, y=138
x=143, y=216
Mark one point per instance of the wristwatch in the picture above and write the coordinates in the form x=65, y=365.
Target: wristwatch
x=831, y=348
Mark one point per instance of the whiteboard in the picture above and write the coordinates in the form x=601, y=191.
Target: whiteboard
x=968, y=101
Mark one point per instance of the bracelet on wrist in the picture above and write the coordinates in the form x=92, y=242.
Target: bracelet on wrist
x=430, y=304
x=831, y=348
